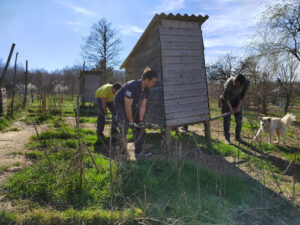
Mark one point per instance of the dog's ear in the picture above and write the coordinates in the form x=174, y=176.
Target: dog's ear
x=269, y=119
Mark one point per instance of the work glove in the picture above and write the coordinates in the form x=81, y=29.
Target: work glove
x=133, y=125
x=141, y=124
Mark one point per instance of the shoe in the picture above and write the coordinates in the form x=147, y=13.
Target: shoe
x=239, y=139
x=145, y=154
x=228, y=142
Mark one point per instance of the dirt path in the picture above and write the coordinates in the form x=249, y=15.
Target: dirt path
x=13, y=147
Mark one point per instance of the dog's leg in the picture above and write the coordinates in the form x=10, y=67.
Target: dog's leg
x=271, y=132
x=258, y=133
x=278, y=135
x=283, y=130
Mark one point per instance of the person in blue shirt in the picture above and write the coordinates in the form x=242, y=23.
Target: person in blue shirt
x=130, y=104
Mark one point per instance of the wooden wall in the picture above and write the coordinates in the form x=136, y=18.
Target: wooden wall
x=184, y=76
x=148, y=54
x=89, y=83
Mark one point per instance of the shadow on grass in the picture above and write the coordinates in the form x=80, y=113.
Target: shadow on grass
x=190, y=147
x=281, y=164
x=88, y=110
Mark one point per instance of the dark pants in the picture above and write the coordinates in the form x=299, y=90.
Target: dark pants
x=101, y=117
x=138, y=133
x=238, y=119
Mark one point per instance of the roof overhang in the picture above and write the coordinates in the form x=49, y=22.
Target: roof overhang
x=156, y=18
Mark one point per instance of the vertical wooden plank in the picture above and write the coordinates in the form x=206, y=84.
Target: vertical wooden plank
x=207, y=132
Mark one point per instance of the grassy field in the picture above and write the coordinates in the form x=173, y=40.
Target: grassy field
x=185, y=182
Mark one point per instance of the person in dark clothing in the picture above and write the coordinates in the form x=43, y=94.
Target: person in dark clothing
x=130, y=104
x=234, y=91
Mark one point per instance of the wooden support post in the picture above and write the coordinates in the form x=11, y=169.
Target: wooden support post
x=13, y=87
x=207, y=132
x=3, y=74
x=25, y=85
x=168, y=135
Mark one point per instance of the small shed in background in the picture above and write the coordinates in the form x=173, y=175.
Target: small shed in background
x=89, y=82
x=172, y=45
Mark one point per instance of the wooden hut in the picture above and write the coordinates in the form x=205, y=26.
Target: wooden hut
x=172, y=45
x=89, y=82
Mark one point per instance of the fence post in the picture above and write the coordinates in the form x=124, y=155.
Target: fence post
x=25, y=91
x=13, y=86
x=3, y=75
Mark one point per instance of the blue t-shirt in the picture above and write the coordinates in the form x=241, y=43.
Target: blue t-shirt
x=133, y=90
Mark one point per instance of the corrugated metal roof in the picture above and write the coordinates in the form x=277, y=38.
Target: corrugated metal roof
x=157, y=17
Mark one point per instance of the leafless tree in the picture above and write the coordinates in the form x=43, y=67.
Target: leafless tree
x=278, y=31
x=71, y=79
x=220, y=71
x=102, y=46
x=225, y=67
x=286, y=77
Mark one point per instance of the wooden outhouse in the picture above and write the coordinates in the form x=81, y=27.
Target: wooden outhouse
x=172, y=45
x=89, y=82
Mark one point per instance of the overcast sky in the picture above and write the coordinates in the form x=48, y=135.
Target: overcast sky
x=49, y=33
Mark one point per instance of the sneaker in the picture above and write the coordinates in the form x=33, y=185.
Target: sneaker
x=145, y=154
x=239, y=139
x=228, y=142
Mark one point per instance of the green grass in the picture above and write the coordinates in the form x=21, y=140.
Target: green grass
x=14, y=153
x=182, y=191
x=71, y=217
x=88, y=120
x=6, y=122
x=4, y=168
x=149, y=191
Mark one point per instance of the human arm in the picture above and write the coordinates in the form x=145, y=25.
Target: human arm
x=128, y=110
x=142, y=109
x=229, y=106
x=238, y=108
x=103, y=101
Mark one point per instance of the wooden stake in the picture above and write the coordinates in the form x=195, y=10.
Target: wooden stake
x=13, y=86
x=4, y=73
x=25, y=82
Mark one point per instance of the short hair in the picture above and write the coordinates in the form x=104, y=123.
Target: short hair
x=116, y=86
x=149, y=74
x=240, y=78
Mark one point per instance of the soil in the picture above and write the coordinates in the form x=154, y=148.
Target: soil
x=13, y=147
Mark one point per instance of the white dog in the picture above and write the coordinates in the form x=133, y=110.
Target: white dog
x=278, y=125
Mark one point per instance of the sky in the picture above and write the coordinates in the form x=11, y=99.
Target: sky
x=50, y=33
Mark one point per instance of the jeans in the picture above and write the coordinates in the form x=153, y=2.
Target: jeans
x=138, y=133
x=237, y=116
x=101, y=117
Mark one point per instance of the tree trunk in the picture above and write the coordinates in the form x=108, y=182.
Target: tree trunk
x=287, y=103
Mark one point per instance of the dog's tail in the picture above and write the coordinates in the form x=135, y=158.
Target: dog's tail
x=288, y=119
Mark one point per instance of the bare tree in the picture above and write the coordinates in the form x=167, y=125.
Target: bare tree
x=102, y=46
x=71, y=79
x=287, y=76
x=278, y=31
x=222, y=69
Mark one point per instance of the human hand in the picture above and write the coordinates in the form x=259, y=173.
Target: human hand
x=133, y=125
x=141, y=124
x=237, y=109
